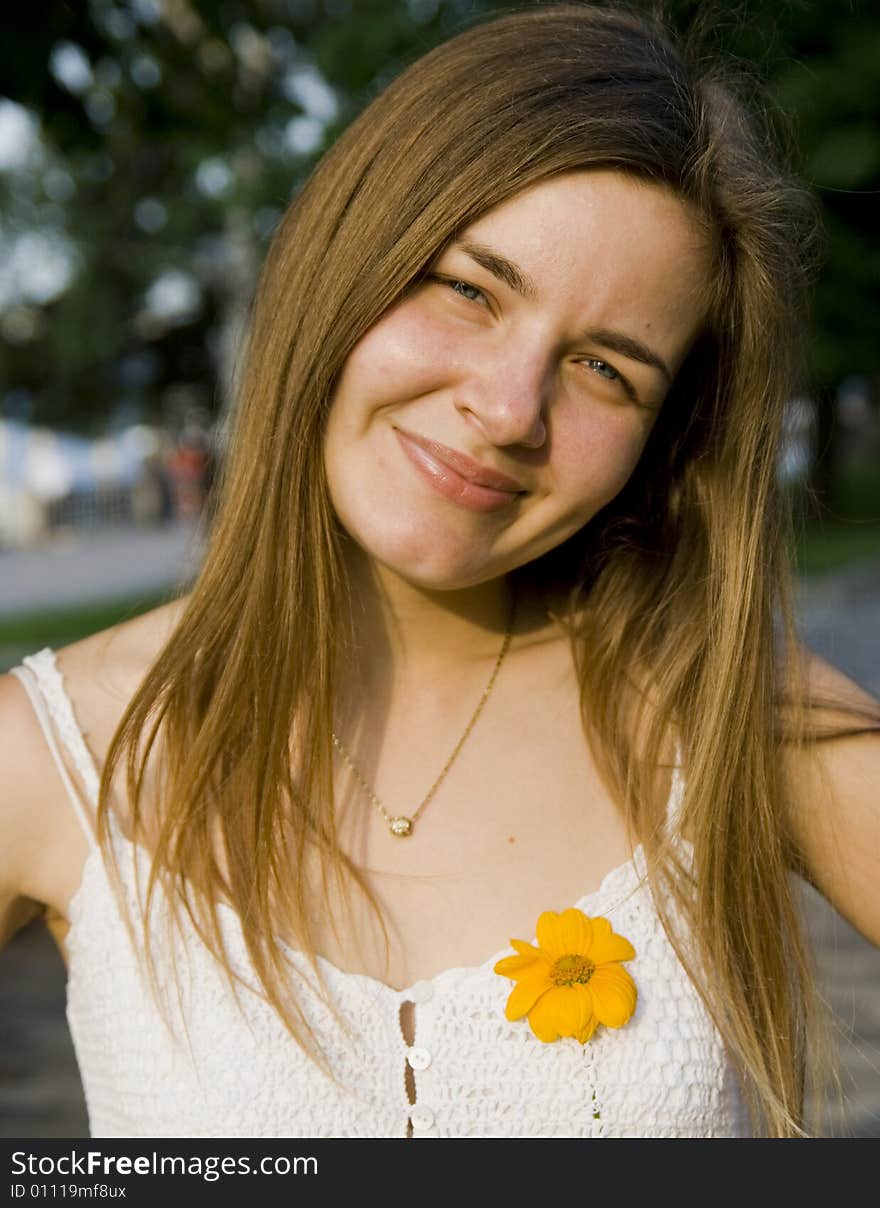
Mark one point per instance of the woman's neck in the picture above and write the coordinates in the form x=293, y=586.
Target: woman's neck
x=419, y=658
x=408, y=635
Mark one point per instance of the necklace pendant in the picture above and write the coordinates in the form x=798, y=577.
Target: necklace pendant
x=401, y=826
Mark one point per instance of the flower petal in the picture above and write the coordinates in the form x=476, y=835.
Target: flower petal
x=516, y=966
x=544, y=1017
x=546, y=932
x=562, y=1011
x=576, y=931
x=614, y=995
x=573, y=1009
x=525, y=949
x=607, y=945
x=584, y=1033
x=565, y=933
x=525, y=994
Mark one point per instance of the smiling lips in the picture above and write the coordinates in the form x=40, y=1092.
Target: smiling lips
x=458, y=477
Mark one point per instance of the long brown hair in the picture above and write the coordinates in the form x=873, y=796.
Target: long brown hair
x=674, y=586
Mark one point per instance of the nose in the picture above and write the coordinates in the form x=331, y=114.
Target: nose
x=506, y=398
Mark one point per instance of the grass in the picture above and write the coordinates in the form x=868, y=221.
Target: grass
x=848, y=530
x=62, y=626
x=828, y=546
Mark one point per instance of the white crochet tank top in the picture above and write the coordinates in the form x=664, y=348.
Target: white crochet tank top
x=228, y=1070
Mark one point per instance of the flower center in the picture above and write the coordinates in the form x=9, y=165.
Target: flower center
x=572, y=970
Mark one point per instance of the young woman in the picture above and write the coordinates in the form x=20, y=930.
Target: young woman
x=492, y=651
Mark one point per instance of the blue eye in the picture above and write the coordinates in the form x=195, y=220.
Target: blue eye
x=610, y=374
x=603, y=369
x=453, y=282
x=464, y=284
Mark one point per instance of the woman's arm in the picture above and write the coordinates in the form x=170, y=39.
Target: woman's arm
x=835, y=801
x=27, y=854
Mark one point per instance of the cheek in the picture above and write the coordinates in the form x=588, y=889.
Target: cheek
x=597, y=455
x=402, y=351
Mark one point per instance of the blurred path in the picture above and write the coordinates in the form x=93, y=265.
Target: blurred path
x=93, y=567
x=40, y=1094
x=839, y=618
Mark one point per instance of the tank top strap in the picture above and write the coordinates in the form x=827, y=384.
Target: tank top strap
x=42, y=680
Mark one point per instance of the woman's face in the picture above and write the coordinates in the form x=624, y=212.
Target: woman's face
x=507, y=397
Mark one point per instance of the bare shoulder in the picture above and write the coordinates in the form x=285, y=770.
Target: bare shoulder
x=26, y=780
x=834, y=787
x=42, y=845
x=103, y=671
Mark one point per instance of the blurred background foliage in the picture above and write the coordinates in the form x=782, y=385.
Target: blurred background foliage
x=149, y=147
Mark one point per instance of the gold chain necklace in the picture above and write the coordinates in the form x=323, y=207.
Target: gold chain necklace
x=401, y=825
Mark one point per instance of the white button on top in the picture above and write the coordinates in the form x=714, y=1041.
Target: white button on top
x=418, y=1058
x=422, y=1117
x=422, y=991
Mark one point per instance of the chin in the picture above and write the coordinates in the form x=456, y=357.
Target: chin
x=433, y=574
x=422, y=560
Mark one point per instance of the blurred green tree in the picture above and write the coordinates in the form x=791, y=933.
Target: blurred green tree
x=171, y=135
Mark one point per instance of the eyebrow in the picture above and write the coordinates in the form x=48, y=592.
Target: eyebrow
x=521, y=283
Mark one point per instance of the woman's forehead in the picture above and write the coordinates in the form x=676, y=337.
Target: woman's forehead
x=601, y=242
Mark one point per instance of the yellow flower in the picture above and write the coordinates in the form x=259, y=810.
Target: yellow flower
x=573, y=980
